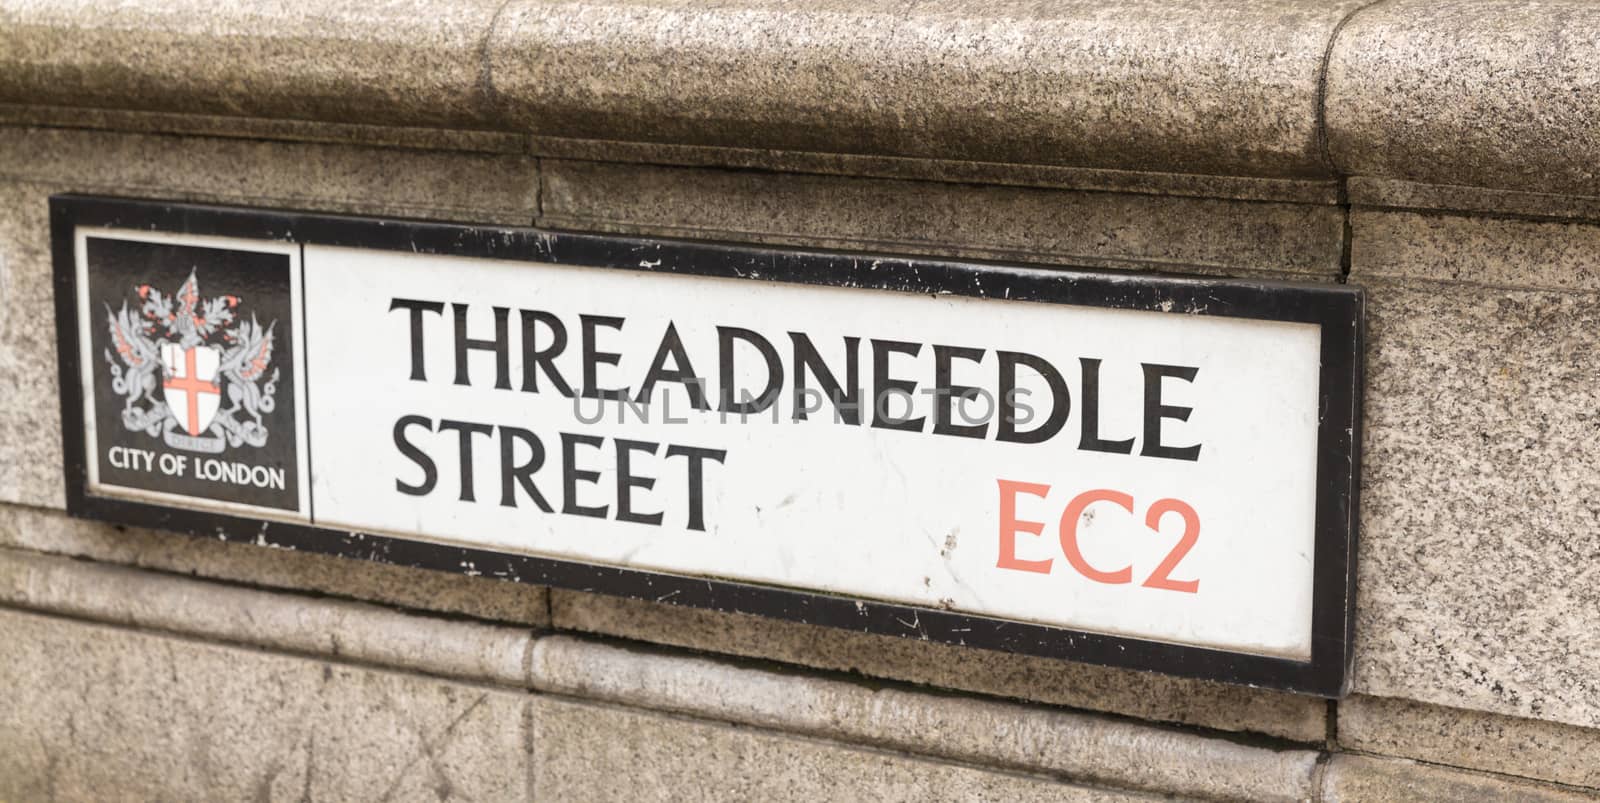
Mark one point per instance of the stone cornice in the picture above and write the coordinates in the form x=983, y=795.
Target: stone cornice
x=1488, y=93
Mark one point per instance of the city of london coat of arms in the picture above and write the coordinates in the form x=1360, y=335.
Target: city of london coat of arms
x=212, y=368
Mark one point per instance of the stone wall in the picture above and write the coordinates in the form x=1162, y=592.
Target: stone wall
x=1441, y=154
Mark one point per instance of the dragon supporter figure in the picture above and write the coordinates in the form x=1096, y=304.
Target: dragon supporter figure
x=195, y=349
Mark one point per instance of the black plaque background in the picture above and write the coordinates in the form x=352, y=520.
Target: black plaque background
x=262, y=283
x=1339, y=310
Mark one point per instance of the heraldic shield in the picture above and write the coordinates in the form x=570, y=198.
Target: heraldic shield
x=214, y=369
x=190, y=384
x=196, y=374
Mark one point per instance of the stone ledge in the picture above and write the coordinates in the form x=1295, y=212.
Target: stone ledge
x=399, y=62
x=972, y=730
x=1400, y=195
x=94, y=712
x=1228, y=88
x=1483, y=93
x=97, y=712
x=414, y=138
x=998, y=736
x=1322, y=191
x=324, y=627
x=1081, y=747
x=1225, y=87
x=1493, y=253
x=167, y=553
x=1489, y=93
x=1142, y=695
x=586, y=751
x=1549, y=751
x=1355, y=779
x=1167, y=233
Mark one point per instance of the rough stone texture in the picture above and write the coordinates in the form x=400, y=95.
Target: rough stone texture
x=1313, y=191
x=1528, y=747
x=1496, y=93
x=98, y=713
x=352, y=133
x=483, y=598
x=1316, y=190
x=1148, y=232
x=1480, y=542
x=35, y=163
x=317, y=626
x=600, y=753
x=1497, y=252
x=1483, y=92
x=1085, y=748
x=1481, y=529
x=1166, y=85
x=1195, y=87
x=996, y=735
x=435, y=185
x=1398, y=194
x=30, y=449
x=1140, y=694
x=1358, y=779
x=394, y=61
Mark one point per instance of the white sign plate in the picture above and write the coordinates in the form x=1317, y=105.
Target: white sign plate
x=1103, y=460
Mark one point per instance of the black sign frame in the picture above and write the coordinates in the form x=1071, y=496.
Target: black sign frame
x=1337, y=308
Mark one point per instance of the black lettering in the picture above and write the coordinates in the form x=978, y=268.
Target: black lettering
x=1154, y=411
x=1091, y=440
x=846, y=398
x=884, y=385
x=697, y=491
x=430, y=472
x=535, y=358
x=572, y=475
x=416, y=308
x=627, y=481
x=500, y=345
x=513, y=474
x=464, y=431
x=593, y=358
x=946, y=394
x=683, y=373
x=1060, y=398
x=726, y=335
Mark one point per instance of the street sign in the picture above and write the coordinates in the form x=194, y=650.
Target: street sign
x=1136, y=471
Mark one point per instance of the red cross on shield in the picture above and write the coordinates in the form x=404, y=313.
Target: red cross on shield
x=192, y=391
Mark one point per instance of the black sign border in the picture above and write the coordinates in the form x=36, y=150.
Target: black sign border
x=1340, y=311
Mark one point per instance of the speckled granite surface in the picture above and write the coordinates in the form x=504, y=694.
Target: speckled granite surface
x=1480, y=543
